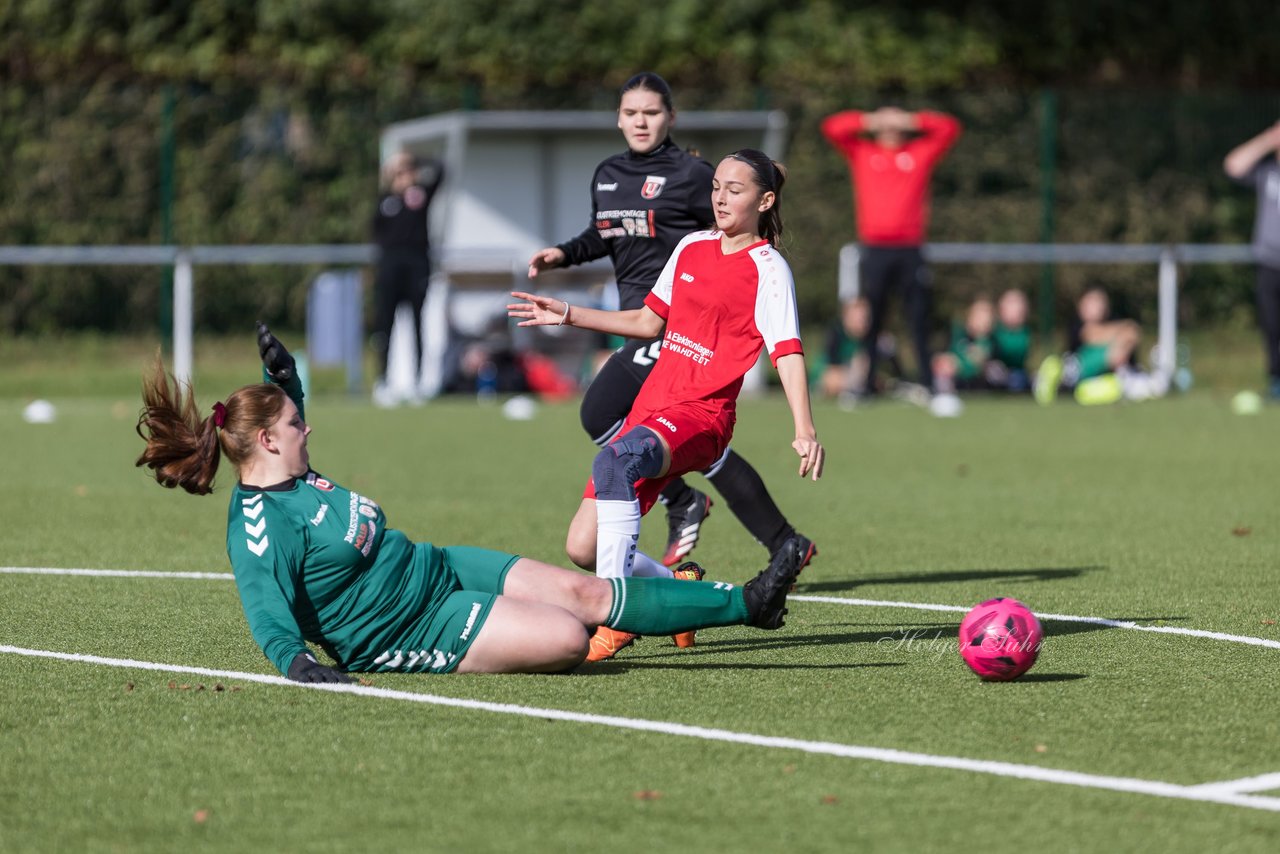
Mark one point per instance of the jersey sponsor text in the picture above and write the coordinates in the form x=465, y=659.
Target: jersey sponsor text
x=683, y=346
x=633, y=223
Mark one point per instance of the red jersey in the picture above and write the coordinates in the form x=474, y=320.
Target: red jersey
x=891, y=185
x=721, y=310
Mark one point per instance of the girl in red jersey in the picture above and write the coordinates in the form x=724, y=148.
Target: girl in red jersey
x=644, y=200
x=723, y=296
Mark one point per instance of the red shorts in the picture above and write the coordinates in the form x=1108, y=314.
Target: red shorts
x=696, y=438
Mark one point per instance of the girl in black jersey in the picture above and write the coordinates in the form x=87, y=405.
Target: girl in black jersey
x=644, y=201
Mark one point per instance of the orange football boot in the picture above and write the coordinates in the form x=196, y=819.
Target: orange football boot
x=687, y=571
x=607, y=642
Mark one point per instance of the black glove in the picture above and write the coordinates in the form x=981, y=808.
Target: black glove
x=304, y=667
x=275, y=358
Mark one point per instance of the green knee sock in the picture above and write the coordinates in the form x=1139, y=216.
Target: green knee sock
x=666, y=606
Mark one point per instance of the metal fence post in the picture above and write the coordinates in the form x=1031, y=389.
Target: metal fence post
x=183, y=316
x=1167, y=341
x=847, y=283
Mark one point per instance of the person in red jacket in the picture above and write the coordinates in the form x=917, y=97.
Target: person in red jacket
x=892, y=154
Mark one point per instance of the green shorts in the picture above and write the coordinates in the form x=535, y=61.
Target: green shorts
x=1093, y=360
x=474, y=579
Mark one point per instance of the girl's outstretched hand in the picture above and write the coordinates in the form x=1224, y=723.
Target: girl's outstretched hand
x=537, y=310
x=812, y=456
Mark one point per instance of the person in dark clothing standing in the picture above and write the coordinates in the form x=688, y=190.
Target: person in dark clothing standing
x=1254, y=163
x=404, y=260
x=644, y=201
x=891, y=155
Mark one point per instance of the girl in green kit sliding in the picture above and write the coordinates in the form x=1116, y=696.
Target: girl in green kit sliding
x=315, y=562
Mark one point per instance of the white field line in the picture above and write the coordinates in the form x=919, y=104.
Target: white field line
x=1211, y=793
x=115, y=573
x=830, y=600
x=1066, y=618
x=1260, y=783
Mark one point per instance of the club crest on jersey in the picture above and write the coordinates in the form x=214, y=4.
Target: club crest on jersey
x=319, y=482
x=653, y=185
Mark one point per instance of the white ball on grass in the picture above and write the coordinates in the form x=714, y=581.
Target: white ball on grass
x=946, y=406
x=1246, y=403
x=39, y=412
x=520, y=408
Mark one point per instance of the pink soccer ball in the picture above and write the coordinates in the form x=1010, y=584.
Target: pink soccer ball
x=1000, y=639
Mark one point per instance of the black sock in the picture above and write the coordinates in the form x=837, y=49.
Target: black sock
x=749, y=500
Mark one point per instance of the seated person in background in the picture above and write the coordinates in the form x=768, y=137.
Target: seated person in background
x=842, y=372
x=1100, y=363
x=485, y=364
x=1011, y=343
x=964, y=364
x=491, y=366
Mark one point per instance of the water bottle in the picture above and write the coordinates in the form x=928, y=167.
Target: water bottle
x=487, y=383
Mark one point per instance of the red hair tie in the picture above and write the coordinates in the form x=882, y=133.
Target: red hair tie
x=219, y=414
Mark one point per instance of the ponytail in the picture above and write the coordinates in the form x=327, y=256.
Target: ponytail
x=183, y=449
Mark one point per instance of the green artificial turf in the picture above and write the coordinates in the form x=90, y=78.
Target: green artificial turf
x=1161, y=513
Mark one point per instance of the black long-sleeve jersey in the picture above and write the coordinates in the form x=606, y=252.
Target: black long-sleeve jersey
x=400, y=222
x=643, y=204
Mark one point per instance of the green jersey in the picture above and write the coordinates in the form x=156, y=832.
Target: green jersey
x=1012, y=346
x=971, y=353
x=314, y=561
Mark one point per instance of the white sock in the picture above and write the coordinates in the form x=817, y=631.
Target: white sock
x=646, y=567
x=1136, y=385
x=617, y=532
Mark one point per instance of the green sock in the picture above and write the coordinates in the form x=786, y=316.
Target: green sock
x=666, y=606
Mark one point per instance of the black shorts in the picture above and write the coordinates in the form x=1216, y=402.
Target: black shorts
x=608, y=399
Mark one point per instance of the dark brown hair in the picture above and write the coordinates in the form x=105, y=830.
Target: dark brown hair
x=649, y=82
x=183, y=449
x=769, y=177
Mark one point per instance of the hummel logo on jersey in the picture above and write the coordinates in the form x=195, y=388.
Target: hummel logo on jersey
x=319, y=517
x=685, y=277
x=253, y=506
x=471, y=621
x=646, y=356
x=606, y=188
x=257, y=541
x=433, y=658
x=653, y=185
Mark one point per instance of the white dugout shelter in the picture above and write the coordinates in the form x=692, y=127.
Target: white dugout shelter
x=516, y=181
